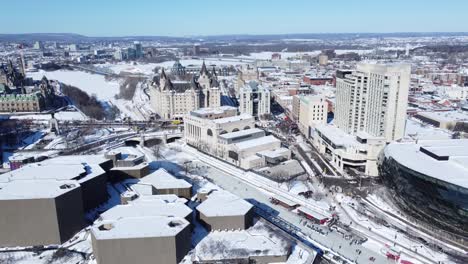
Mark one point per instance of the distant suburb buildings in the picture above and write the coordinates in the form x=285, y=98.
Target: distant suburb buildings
x=172, y=99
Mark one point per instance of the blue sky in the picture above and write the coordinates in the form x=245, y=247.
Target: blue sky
x=214, y=17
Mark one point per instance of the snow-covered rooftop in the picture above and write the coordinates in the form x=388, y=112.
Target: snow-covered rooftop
x=417, y=130
x=258, y=240
x=338, y=136
x=223, y=203
x=146, y=209
x=32, y=189
x=233, y=119
x=290, y=167
x=138, y=227
x=161, y=179
x=215, y=110
x=453, y=170
x=256, y=142
x=446, y=116
x=162, y=198
x=277, y=153
x=54, y=170
x=76, y=159
x=126, y=153
x=241, y=133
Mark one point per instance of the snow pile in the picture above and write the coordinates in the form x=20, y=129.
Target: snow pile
x=259, y=240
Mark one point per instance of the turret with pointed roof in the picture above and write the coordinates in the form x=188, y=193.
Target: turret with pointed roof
x=203, y=70
x=168, y=85
x=163, y=74
x=213, y=72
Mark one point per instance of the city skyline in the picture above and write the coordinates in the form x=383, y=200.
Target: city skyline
x=192, y=18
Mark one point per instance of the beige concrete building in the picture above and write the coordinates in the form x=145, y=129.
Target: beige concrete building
x=151, y=229
x=142, y=240
x=203, y=127
x=45, y=203
x=225, y=211
x=313, y=110
x=323, y=59
x=87, y=170
x=345, y=150
x=253, y=153
x=39, y=212
x=225, y=140
x=447, y=119
x=246, y=74
x=232, y=137
x=128, y=163
x=162, y=182
x=144, y=207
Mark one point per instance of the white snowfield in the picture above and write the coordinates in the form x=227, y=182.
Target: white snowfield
x=90, y=83
x=62, y=115
x=94, y=84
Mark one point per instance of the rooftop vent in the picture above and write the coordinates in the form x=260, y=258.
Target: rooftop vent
x=67, y=186
x=174, y=223
x=106, y=227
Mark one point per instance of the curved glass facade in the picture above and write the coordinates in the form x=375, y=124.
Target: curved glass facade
x=436, y=202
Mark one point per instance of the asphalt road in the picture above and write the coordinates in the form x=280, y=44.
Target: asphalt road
x=337, y=242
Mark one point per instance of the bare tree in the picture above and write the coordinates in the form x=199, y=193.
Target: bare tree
x=157, y=152
x=281, y=177
x=317, y=196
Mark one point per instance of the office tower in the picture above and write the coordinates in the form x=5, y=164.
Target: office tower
x=138, y=49
x=254, y=99
x=38, y=45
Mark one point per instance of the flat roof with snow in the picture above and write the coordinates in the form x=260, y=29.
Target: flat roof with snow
x=259, y=240
x=256, y=142
x=139, y=227
x=56, y=171
x=147, y=209
x=162, y=198
x=444, y=160
x=445, y=116
x=214, y=111
x=338, y=137
x=241, y=133
x=223, y=203
x=77, y=159
x=231, y=119
x=277, y=153
x=161, y=179
x=33, y=189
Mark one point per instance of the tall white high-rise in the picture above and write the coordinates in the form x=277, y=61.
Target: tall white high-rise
x=373, y=99
x=254, y=99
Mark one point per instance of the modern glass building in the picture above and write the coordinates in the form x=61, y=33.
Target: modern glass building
x=429, y=180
